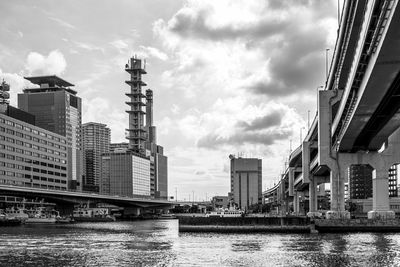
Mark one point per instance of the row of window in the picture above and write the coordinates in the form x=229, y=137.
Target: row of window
x=26, y=168
x=27, y=152
x=12, y=157
x=34, y=177
x=43, y=186
x=34, y=131
x=28, y=144
x=32, y=138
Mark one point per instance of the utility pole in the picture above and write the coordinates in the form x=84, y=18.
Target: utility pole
x=176, y=194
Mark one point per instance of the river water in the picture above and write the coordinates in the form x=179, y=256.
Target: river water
x=158, y=243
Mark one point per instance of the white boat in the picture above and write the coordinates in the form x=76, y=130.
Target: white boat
x=18, y=213
x=225, y=213
x=42, y=215
x=93, y=215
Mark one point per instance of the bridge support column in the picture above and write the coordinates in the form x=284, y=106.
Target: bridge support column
x=337, y=210
x=296, y=204
x=313, y=197
x=380, y=201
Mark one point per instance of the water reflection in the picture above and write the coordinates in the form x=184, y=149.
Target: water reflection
x=242, y=245
x=152, y=243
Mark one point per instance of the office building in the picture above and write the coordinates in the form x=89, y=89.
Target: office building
x=125, y=174
x=57, y=108
x=246, y=181
x=29, y=155
x=220, y=202
x=96, y=139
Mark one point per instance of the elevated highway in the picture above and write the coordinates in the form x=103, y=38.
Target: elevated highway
x=358, y=111
x=69, y=197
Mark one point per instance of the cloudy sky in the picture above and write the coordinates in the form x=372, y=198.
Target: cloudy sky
x=229, y=77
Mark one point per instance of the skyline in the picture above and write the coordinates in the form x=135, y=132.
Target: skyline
x=266, y=72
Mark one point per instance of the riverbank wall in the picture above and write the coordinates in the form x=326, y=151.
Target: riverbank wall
x=357, y=225
x=284, y=225
x=244, y=224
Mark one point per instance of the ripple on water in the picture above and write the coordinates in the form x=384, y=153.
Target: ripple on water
x=158, y=243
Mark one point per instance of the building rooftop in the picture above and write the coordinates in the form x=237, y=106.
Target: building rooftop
x=49, y=83
x=51, y=80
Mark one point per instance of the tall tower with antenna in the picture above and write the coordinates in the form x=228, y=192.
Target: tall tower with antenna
x=136, y=134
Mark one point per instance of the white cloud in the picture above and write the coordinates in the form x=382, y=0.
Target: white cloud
x=88, y=46
x=62, y=23
x=121, y=45
x=54, y=63
x=154, y=52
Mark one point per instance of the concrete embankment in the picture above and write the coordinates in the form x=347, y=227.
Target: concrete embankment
x=357, y=225
x=244, y=224
x=284, y=225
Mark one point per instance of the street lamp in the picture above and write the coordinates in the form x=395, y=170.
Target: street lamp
x=301, y=134
x=326, y=63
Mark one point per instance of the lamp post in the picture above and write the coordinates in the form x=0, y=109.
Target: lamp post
x=301, y=134
x=326, y=63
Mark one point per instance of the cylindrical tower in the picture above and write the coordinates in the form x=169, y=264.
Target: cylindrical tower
x=149, y=107
x=136, y=132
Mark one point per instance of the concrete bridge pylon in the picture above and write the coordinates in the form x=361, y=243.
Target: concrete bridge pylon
x=339, y=163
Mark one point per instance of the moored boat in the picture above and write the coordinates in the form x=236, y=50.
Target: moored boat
x=93, y=215
x=225, y=213
x=42, y=215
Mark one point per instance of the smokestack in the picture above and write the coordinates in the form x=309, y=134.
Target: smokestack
x=149, y=108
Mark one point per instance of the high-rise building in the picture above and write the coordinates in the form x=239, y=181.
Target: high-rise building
x=57, y=108
x=246, y=181
x=360, y=181
x=96, y=139
x=136, y=131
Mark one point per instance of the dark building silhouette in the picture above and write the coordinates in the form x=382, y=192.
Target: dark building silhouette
x=360, y=181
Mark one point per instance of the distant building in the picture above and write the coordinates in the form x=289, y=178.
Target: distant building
x=220, y=202
x=57, y=108
x=96, y=141
x=125, y=174
x=360, y=181
x=246, y=181
x=392, y=181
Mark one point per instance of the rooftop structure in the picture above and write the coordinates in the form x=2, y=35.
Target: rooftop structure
x=47, y=83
